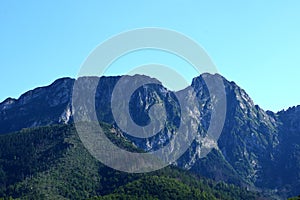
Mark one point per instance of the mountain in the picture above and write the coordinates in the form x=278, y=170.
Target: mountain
x=51, y=163
x=257, y=149
x=38, y=107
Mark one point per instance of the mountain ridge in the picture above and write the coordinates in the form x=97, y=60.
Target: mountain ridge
x=251, y=151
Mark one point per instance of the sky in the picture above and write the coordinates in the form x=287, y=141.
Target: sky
x=253, y=43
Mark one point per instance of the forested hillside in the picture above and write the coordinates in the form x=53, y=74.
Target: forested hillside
x=51, y=163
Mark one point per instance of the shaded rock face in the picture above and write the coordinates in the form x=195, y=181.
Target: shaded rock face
x=246, y=145
x=38, y=107
x=255, y=149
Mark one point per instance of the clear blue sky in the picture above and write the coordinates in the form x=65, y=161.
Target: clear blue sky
x=254, y=43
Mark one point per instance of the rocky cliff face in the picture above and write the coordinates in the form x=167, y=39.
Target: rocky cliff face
x=256, y=148
x=246, y=145
x=38, y=107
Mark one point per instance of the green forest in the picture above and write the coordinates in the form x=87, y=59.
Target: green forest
x=51, y=163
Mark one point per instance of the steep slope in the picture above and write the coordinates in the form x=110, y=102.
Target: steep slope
x=39, y=107
x=287, y=166
x=256, y=149
x=51, y=163
x=248, y=137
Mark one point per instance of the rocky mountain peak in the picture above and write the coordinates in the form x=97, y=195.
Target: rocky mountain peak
x=252, y=147
x=38, y=107
x=7, y=103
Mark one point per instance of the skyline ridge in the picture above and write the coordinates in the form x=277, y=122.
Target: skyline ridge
x=218, y=74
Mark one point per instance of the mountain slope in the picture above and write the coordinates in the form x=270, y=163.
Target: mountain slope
x=51, y=163
x=39, y=107
x=248, y=137
x=256, y=149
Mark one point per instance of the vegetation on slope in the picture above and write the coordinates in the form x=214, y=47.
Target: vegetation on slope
x=51, y=163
